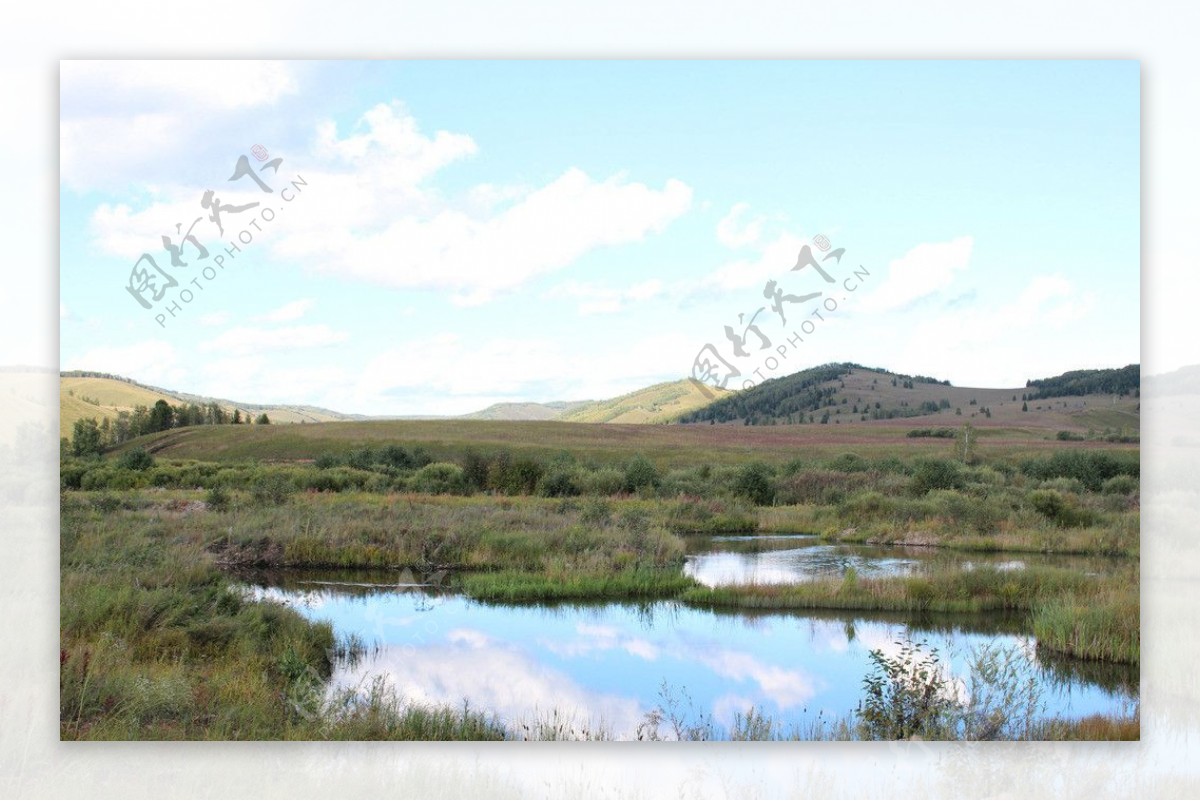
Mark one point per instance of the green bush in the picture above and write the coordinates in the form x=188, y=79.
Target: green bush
x=1120, y=485
x=136, y=459
x=327, y=461
x=640, y=473
x=849, y=463
x=934, y=474
x=1061, y=509
x=595, y=511
x=217, y=499
x=272, y=489
x=1092, y=468
x=905, y=695
x=605, y=481
x=361, y=459
x=439, y=478
x=753, y=482
x=560, y=482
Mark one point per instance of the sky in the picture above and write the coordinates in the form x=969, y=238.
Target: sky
x=439, y=236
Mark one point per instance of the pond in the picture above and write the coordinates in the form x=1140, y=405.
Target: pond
x=792, y=558
x=606, y=665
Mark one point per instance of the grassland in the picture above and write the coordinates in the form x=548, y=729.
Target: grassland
x=155, y=643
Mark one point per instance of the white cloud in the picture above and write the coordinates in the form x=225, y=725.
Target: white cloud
x=367, y=215
x=734, y=231
x=596, y=299
x=245, y=340
x=774, y=260
x=1003, y=345
x=920, y=272
x=210, y=85
x=390, y=148
x=289, y=311
x=214, y=319
x=63, y=312
x=787, y=688
x=476, y=259
x=449, y=374
x=122, y=121
x=152, y=361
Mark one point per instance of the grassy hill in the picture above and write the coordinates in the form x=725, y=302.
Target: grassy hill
x=525, y=411
x=660, y=403
x=83, y=395
x=850, y=393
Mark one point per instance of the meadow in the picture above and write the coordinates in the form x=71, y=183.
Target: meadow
x=157, y=643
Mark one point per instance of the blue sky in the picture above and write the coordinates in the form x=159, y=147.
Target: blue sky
x=470, y=232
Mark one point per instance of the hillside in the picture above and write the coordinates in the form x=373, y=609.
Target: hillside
x=660, y=403
x=845, y=393
x=525, y=411
x=83, y=395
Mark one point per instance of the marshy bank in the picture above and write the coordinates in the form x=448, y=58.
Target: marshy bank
x=158, y=641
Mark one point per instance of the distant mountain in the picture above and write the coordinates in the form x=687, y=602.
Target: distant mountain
x=847, y=392
x=85, y=394
x=525, y=411
x=660, y=403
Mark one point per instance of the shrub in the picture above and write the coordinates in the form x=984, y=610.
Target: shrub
x=1120, y=485
x=605, y=481
x=640, y=473
x=753, y=482
x=849, y=463
x=439, y=478
x=1092, y=468
x=1059, y=508
x=595, y=511
x=560, y=482
x=932, y=474
x=272, y=489
x=136, y=459
x=217, y=499
x=361, y=459
x=905, y=695
x=327, y=461
x=403, y=459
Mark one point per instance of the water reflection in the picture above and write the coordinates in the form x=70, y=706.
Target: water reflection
x=790, y=559
x=605, y=664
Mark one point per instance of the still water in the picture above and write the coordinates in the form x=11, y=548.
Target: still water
x=793, y=558
x=607, y=665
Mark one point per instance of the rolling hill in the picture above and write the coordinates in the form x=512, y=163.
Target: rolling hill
x=846, y=392
x=525, y=411
x=83, y=395
x=660, y=403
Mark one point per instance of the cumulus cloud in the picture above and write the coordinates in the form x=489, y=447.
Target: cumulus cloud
x=289, y=311
x=597, y=299
x=451, y=374
x=152, y=360
x=370, y=214
x=734, y=230
x=475, y=259
x=1001, y=345
x=247, y=340
x=774, y=259
x=922, y=271
x=125, y=123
